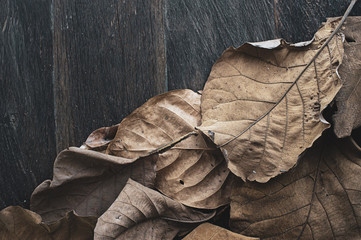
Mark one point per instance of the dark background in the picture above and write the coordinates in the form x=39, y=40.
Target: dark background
x=68, y=67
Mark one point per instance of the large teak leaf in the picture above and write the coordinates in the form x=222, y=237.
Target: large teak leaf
x=137, y=204
x=348, y=100
x=193, y=171
x=319, y=199
x=262, y=106
x=87, y=182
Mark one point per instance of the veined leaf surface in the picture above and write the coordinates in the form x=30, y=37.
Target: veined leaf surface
x=17, y=223
x=137, y=204
x=348, y=99
x=263, y=108
x=87, y=182
x=193, y=171
x=319, y=199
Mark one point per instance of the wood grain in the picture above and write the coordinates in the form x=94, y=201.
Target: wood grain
x=27, y=138
x=108, y=60
x=298, y=20
x=197, y=32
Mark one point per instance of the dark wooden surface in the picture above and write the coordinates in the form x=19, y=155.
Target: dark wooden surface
x=108, y=59
x=198, y=31
x=27, y=137
x=69, y=67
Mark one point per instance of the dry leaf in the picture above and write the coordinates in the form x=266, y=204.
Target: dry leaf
x=19, y=223
x=319, y=199
x=161, y=120
x=153, y=229
x=259, y=112
x=87, y=182
x=137, y=204
x=207, y=231
x=348, y=100
x=100, y=138
x=195, y=177
x=194, y=171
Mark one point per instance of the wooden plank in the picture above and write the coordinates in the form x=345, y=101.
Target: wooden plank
x=27, y=139
x=298, y=20
x=108, y=59
x=197, y=32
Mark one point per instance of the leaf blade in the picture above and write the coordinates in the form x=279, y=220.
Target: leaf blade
x=247, y=123
x=319, y=199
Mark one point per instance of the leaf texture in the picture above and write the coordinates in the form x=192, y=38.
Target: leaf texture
x=161, y=120
x=207, y=231
x=193, y=171
x=260, y=109
x=18, y=223
x=137, y=204
x=87, y=182
x=348, y=100
x=319, y=199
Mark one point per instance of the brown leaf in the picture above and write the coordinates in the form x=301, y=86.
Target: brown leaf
x=319, y=199
x=100, y=138
x=194, y=171
x=207, y=231
x=262, y=109
x=348, y=100
x=87, y=182
x=19, y=223
x=159, y=121
x=153, y=229
x=137, y=205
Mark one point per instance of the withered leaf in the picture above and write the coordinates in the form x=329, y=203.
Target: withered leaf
x=137, y=204
x=262, y=106
x=19, y=223
x=193, y=171
x=319, y=199
x=207, y=231
x=159, y=121
x=87, y=182
x=153, y=229
x=101, y=137
x=348, y=100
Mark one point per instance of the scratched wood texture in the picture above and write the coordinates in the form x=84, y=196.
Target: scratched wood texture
x=27, y=137
x=108, y=59
x=69, y=67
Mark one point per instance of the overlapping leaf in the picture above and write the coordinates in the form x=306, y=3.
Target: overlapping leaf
x=138, y=207
x=18, y=223
x=87, y=182
x=319, y=199
x=207, y=231
x=262, y=109
x=348, y=100
x=194, y=171
x=100, y=138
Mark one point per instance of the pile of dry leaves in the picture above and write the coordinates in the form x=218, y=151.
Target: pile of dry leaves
x=249, y=153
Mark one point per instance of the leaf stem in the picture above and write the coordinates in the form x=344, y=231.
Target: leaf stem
x=172, y=143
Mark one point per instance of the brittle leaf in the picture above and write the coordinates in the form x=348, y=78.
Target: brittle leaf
x=193, y=171
x=87, y=182
x=207, y=231
x=348, y=99
x=262, y=102
x=101, y=137
x=137, y=204
x=18, y=223
x=319, y=199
